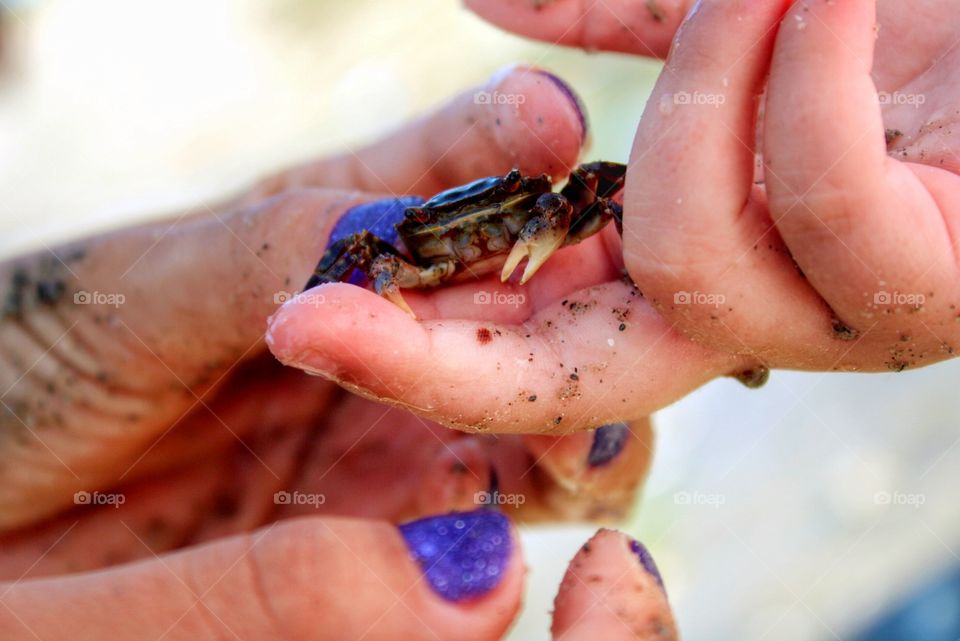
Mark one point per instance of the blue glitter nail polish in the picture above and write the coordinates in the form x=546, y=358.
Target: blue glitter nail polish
x=572, y=97
x=647, y=561
x=377, y=217
x=608, y=442
x=462, y=554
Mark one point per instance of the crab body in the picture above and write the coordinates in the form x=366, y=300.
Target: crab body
x=474, y=226
x=490, y=224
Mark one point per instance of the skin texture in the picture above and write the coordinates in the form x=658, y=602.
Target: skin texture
x=842, y=222
x=167, y=403
x=797, y=240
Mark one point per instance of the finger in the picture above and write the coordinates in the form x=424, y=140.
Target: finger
x=522, y=117
x=597, y=473
x=630, y=26
x=698, y=239
x=612, y=590
x=305, y=579
x=843, y=206
x=593, y=358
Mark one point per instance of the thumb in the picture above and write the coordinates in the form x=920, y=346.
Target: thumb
x=453, y=576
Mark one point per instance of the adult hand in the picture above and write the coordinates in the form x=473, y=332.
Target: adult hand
x=456, y=576
x=132, y=361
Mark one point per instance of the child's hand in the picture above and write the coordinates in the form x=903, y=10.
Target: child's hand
x=835, y=251
x=847, y=259
x=845, y=255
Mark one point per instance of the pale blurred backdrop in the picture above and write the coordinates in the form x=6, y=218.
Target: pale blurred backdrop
x=796, y=512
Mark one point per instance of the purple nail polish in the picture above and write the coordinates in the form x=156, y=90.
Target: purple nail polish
x=647, y=561
x=573, y=98
x=462, y=554
x=377, y=217
x=608, y=442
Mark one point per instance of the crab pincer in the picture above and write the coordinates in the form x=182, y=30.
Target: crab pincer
x=542, y=235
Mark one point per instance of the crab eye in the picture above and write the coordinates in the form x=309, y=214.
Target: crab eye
x=415, y=213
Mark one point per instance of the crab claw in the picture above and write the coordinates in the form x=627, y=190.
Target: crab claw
x=536, y=250
x=394, y=296
x=543, y=234
x=385, y=284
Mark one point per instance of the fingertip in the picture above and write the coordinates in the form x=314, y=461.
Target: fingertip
x=335, y=329
x=465, y=556
x=537, y=118
x=612, y=590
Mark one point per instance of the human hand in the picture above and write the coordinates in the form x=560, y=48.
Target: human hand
x=762, y=263
x=135, y=358
x=843, y=257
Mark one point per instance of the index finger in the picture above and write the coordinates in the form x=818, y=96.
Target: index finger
x=630, y=26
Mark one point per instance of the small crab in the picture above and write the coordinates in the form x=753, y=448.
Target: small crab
x=475, y=229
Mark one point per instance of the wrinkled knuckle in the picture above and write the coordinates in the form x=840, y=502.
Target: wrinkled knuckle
x=265, y=598
x=284, y=564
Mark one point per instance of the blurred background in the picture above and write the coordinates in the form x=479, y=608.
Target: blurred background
x=819, y=507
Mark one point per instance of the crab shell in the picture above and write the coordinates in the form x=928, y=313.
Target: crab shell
x=475, y=225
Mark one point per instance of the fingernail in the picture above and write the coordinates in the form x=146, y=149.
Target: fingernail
x=647, y=562
x=572, y=97
x=462, y=554
x=377, y=217
x=608, y=442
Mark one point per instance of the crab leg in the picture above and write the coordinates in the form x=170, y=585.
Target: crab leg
x=594, y=219
x=390, y=273
x=590, y=190
x=356, y=251
x=542, y=235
